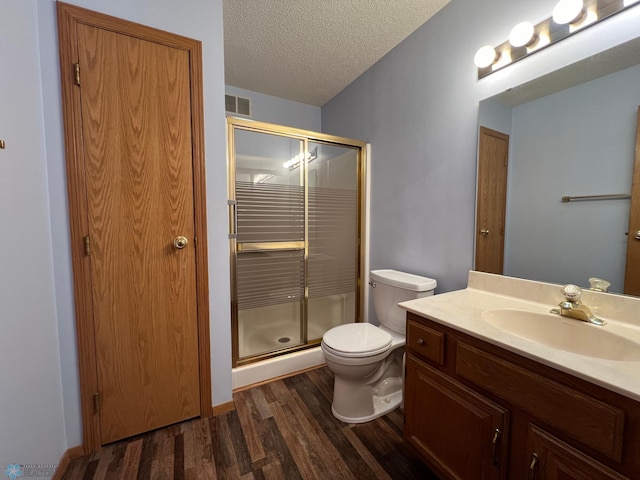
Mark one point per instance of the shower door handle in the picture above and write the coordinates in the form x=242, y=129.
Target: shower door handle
x=268, y=246
x=233, y=218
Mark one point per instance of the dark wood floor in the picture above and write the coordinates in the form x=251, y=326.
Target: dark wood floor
x=282, y=430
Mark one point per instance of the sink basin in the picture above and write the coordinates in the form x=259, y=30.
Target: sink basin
x=564, y=334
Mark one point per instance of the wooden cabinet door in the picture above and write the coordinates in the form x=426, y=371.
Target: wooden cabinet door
x=552, y=459
x=459, y=432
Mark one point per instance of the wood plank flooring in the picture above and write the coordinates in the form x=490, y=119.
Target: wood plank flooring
x=282, y=430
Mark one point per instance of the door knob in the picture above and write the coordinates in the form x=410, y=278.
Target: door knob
x=180, y=242
x=637, y=235
x=484, y=232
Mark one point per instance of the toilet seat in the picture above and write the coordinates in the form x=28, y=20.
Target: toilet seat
x=354, y=340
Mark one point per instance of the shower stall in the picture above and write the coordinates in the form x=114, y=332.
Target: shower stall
x=296, y=219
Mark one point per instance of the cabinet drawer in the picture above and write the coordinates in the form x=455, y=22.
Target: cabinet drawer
x=425, y=342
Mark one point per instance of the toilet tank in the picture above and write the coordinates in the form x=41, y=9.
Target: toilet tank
x=391, y=287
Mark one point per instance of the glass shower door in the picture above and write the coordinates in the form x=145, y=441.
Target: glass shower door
x=297, y=215
x=332, y=278
x=270, y=244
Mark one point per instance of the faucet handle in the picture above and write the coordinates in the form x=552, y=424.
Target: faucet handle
x=572, y=293
x=599, y=285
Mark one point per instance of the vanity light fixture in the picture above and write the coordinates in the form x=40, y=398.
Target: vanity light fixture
x=523, y=35
x=485, y=56
x=568, y=17
x=568, y=11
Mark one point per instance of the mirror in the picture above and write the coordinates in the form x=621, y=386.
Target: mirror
x=571, y=133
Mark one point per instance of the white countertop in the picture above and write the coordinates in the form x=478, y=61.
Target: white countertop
x=462, y=310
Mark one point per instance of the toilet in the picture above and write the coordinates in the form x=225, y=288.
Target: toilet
x=367, y=360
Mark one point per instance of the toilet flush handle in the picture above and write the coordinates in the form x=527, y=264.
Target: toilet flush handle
x=373, y=284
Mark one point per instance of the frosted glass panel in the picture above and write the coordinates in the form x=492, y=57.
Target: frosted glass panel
x=270, y=213
x=270, y=196
x=270, y=295
x=333, y=237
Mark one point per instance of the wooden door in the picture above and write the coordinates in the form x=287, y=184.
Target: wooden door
x=632, y=270
x=460, y=433
x=493, y=153
x=552, y=459
x=135, y=108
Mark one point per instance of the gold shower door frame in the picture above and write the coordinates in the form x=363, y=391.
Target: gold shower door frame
x=305, y=136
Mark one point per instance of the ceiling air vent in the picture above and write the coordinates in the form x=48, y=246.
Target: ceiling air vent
x=238, y=105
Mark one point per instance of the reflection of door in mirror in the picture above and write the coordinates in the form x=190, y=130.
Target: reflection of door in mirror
x=491, y=200
x=632, y=271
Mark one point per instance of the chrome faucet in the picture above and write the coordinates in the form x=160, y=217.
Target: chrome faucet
x=573, y=308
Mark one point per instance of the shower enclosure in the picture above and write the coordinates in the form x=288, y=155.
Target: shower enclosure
x=296, y=218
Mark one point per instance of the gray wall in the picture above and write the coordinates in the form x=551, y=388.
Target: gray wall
x=31, y=410
x=580, y=141
x=495, y=115
x=270, y=109
x=418, y=107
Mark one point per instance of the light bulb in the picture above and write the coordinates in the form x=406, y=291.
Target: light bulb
x=523, y=34
x=568, y=11
x=485, y=56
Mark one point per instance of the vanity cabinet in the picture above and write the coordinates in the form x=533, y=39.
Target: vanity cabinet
x=453, y=427
x=476, y=411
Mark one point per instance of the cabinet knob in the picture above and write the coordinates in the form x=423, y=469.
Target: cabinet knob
x=420, y=341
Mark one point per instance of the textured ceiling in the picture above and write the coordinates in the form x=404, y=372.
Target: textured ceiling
x=310, y=50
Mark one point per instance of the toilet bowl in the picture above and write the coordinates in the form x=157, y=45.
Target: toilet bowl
x=367, y=360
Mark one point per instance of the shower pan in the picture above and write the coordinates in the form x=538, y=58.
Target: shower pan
x=296, y=214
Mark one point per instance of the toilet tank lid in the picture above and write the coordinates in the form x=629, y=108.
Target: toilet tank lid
x=408, y=281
